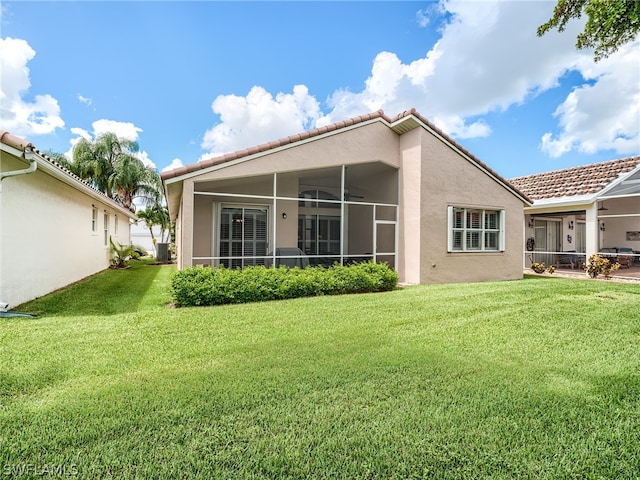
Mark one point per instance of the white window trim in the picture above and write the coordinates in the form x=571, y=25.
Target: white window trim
x=450, y=229
x=106, y=229
x=94, y=219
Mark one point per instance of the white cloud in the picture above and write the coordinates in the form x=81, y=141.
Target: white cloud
x=175, y=163
x=19, y=115
x=85, y=100
x=488, y=59
x=259, y=117
x=422, y=17
x=122, y=129
x=605, y=114
x=143, y=155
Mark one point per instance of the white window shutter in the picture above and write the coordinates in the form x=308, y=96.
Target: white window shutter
x=502, y=230
x=449, y=229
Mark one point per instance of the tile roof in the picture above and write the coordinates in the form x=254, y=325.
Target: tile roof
x=26, y=146
x=204, y=164
x=569, y=182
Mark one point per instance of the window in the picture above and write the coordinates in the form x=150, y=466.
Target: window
x=319, y=234
x=94, y=219
x=115, y=225
x=318, y=195
x=106, y=228
x=476, y=230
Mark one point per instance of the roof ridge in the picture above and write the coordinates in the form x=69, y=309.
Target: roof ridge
x=580, y=167
x=579, y=180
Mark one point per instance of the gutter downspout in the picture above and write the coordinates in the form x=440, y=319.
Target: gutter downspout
x=33, y=166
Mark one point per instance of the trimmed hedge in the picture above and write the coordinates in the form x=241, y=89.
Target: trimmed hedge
x=198, y=286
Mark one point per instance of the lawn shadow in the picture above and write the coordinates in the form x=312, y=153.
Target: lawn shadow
x=109, y=292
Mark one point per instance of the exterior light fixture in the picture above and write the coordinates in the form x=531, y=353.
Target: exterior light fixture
x=531, y=222
x=284, y=215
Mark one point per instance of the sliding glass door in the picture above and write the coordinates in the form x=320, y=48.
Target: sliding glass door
x=243, y=236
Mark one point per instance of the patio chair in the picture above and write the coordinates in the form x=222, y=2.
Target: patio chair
x=625, y=261
x=301, y=259
x=567, y=260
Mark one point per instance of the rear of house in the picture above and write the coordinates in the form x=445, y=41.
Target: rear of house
x=394, y=190
x=55, y=228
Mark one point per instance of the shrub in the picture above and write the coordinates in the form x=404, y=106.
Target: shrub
x=199, y=286
x=121, y=254
x=599, y=265
x=541, y=268
x=538, y=267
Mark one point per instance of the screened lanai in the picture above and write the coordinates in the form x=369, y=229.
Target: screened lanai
x=566, y=231
x=342, y=214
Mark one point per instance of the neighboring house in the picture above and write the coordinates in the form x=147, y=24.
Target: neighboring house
x=141, y=237
x=588, y=209
x=54, y=227
x=396, y=190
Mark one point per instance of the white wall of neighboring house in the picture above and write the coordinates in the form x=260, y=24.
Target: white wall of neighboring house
x=141, y=236
x=48, y=235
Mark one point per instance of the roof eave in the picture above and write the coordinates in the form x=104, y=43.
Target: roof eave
x=25, y=151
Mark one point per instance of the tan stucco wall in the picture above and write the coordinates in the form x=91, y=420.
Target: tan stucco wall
x=448, y=179
x=287, y=229
x=409, y=240
x=202, y=228
x=46, y=240
x=186, y=220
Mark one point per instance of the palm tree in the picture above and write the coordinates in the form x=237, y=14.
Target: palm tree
x=156, y=215
x=96, y=161
x=131, y=179
x=149, y=216
x=109, y=163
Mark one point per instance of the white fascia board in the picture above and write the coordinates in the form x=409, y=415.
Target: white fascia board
x=12, y=151
x=562, y=202
x=270, y=151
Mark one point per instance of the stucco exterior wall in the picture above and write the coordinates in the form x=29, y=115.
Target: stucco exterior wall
x=202, y=227
x=448, y=179
x=46, y=234
x=410, y=203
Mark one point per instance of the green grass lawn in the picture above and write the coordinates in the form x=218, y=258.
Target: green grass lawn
x=538, y=378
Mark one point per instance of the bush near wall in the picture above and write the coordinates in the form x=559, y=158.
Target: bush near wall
x=200, y=286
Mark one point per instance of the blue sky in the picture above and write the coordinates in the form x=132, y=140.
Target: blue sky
x=189, y=80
